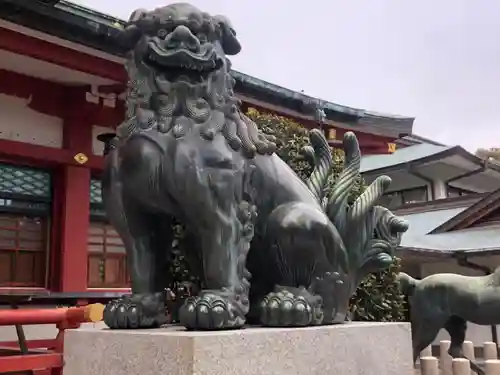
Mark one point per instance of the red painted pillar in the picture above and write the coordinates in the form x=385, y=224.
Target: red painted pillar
x=74, y=198
x=74, y=228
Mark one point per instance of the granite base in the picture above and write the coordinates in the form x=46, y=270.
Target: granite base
x=348, y=349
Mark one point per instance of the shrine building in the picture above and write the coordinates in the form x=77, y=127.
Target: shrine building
x=61, y=85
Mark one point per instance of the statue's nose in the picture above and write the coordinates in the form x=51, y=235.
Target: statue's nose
x=182, y=37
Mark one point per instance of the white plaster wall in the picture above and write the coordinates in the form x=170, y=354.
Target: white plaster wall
x=401, y=180
x=451, y=266
x=439, y=189
x=20, y=123
x=480, y=183
x=440, y=173
x=98, y=146
x=475, y=333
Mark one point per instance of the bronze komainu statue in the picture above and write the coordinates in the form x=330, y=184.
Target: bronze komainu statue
x=449, y=301
x=274, y=250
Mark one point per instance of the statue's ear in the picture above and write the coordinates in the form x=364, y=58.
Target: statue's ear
x=137, y=15
x=131, y=34
x=229, y=43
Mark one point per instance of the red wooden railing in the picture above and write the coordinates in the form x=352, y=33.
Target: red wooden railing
x=41, y=356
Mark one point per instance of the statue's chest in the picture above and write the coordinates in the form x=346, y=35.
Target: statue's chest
x=199, y=163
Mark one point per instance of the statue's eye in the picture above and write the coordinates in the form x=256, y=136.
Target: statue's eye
x=202, y=37
x=194, y=23
x=162, y=33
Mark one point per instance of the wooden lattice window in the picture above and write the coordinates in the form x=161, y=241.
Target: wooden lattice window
x=95, y=192
x=23, y=251
x=25, y=202
x=33, y=184
x=107, y=263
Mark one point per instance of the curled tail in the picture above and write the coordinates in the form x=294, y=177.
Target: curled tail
x=407, y=284
x=322, y=159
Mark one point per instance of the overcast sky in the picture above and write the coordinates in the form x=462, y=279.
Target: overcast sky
x=436, y=60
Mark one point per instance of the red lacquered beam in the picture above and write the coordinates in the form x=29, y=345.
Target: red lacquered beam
x=15, y=351
x=85, y=314
x=30, y=362
x=30, y=344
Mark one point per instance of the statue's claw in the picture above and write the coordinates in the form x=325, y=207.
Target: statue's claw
x=213, y=310
x=136, y=311
x=291, y=307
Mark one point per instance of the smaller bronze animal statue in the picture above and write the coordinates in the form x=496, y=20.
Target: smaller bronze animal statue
x=449, y=301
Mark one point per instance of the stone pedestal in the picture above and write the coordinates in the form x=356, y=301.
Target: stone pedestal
x=349, y=349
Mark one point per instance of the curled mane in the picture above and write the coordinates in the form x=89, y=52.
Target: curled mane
x=209, y=105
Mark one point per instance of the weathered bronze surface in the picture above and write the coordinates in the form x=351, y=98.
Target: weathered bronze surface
x=275, y=250
x=449, y=301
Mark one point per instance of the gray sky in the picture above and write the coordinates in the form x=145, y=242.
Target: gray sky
x=436, y=60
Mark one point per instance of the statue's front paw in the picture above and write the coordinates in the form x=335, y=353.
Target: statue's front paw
x=291, y=308
x=136, y=311
x=212, y=310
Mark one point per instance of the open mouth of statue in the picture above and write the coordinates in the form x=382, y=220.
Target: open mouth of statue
x=182, y=64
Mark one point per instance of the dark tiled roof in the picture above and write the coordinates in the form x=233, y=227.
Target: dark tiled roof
x=100, y=31
x=415, y=139
x=471, y=215
x=438, y=233
x=401, y=156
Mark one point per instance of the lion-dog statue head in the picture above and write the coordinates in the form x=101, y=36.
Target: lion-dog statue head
x=180, y=76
